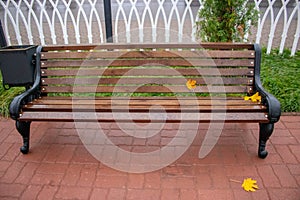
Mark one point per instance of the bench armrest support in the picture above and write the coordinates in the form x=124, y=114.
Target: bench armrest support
x=272, y=104
x=30, y=94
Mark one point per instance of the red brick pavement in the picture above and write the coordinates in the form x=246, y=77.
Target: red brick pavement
x=59, y=166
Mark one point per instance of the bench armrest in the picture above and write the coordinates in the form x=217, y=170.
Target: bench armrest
x=272, y=104
x=29, y=95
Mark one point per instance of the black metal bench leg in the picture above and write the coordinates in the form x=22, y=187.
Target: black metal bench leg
x=265, y=131
x=24, y=130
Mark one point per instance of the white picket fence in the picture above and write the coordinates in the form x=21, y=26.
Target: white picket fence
x=82, y=21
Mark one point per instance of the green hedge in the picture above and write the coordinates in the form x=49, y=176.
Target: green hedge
x=6, y=96
x=280, y=74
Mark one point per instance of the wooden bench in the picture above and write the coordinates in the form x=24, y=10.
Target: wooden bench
x=106, y=82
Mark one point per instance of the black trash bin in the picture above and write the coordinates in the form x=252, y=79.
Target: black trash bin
x=17, y=66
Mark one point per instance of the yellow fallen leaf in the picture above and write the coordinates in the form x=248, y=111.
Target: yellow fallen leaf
x=191, y=84
x=249, y=185
x=254, y=98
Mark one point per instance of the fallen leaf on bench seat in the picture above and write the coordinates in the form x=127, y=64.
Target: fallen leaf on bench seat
x=254, y=98
x=191, y=84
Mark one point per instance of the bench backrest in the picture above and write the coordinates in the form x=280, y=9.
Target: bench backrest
x=162, y=69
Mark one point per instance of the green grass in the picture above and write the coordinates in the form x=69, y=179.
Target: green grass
x=280, y=74
x=6, y=96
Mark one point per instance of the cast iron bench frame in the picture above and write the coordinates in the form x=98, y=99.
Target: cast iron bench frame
x=27, y=107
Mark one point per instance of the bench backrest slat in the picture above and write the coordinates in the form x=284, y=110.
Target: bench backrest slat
x=235, y=46
x=144, y=89
x=149, y=54
x=163, y=72
x=158, y=80
x=148, y=62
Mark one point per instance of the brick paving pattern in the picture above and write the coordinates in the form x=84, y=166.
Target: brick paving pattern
x=59, y=166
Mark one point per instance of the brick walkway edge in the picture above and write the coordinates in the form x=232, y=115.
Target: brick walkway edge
x=59, y=166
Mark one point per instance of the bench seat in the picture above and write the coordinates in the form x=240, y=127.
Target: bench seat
x=109, y=109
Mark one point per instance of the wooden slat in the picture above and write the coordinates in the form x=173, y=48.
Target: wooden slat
x=144, y=89
x=224, y=102
x=143, y=80
x=144, y=108
x=150, y=62
x=150, y=72
x=150, y=46
x=174, y=101
x=144, y=117
x=146, y=98
x=149, y=54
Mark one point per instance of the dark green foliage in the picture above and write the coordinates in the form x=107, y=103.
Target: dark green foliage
x=225, y=20
x=6, y=96
x=281, y=77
